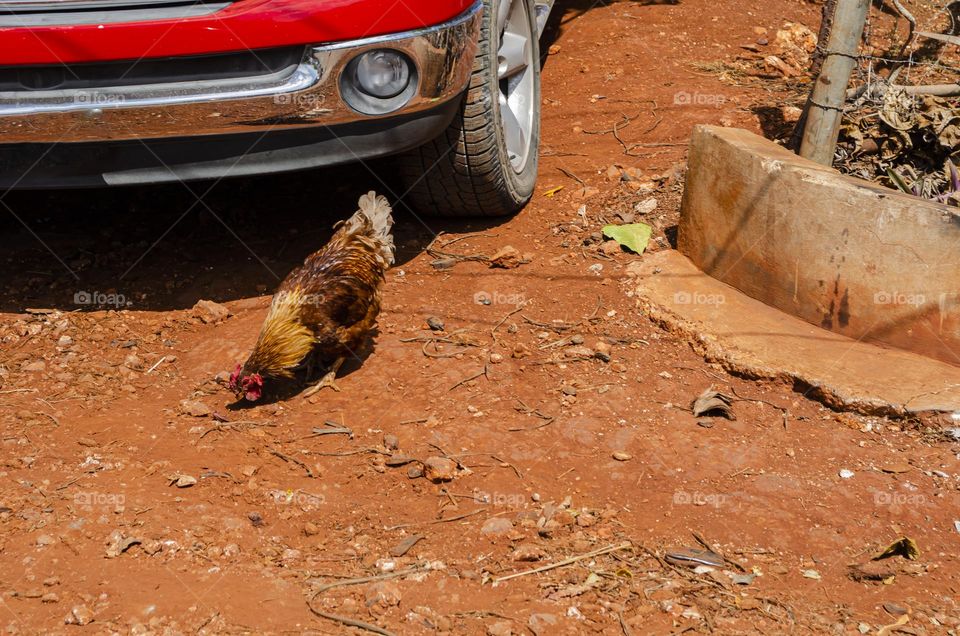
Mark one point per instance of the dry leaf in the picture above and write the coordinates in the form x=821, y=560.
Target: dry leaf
x=714, y=403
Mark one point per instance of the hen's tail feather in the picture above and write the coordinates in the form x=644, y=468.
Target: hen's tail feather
x=377, y=209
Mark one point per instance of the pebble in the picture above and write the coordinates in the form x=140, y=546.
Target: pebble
x=543, y=624
x=812, y=574
x=846, y=474
x=528, y=552
x=391, y=442
x=209, y=311
x=79, y=615
x=45, y=540
x=415, y=472
x=496, y=525
x=500, y=628
x=496, y=358
x=622, y=456
x=894, y=609
x=435, y=323
x=35, y=367
x=50, y=597
x=310, y=529
x=185, y=481
x=602, y=350
x=438, y=469
x=195, y=408
x=64, y=342
x=646, y=206
x=383, y=595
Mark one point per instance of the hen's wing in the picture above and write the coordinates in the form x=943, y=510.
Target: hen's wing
x=339, y=286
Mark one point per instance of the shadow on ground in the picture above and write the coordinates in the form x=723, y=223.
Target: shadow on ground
x=165, y=247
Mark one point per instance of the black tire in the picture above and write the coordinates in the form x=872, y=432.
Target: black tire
x=467, y=171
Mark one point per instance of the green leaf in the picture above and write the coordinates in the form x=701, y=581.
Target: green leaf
x=633, y=236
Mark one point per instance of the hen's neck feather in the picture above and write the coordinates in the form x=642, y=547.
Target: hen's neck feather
x=284, y=341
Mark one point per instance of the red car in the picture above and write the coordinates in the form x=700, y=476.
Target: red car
x=120, y=92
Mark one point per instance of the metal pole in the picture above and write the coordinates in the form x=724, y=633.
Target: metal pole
x=829, y=91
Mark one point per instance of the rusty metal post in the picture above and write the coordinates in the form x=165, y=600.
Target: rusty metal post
x=830, y=89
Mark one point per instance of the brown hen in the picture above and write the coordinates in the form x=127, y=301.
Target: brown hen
x=325, y=310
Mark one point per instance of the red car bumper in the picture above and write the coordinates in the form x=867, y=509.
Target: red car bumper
x=121, y=33
x=286, y=99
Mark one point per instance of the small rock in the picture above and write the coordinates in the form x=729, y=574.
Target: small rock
x=383, y=595
x=231, y=550
x=646, y=206
x=255, y=518
x=195, y=408
x=118, y=544
x=415, y=472
x=895, y=609
x=438, y=469
x=185, y=481
x=611, y=248
x=79, y=615
x=543, y=624
x=50, y=597
x=528, y=552
x=496, y=358
x=897, y=467
x=507, y=257
x=391, y=442
x=435, y=323
x=210, y=312
x=622, y=456
x=151, y=546
x=586, y=520
x=35, y=367
x=566, y=389
x=496, y=526
x=44, y=540
x=500, y=628
x=846, y=474
x=310, y=529
x=791, y=114
x=812, y=574
x=64, y=342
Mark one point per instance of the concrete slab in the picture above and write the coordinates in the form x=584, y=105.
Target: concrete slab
x=753, y=339
x=840, y=253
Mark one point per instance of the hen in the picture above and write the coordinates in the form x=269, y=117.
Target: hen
x=325, y=310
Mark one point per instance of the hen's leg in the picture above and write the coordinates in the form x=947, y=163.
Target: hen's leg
x=328, y=380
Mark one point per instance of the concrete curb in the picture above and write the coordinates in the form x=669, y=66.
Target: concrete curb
x=840, y=253
x=754, y=340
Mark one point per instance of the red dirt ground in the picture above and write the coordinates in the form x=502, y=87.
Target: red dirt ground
x=95, y=531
